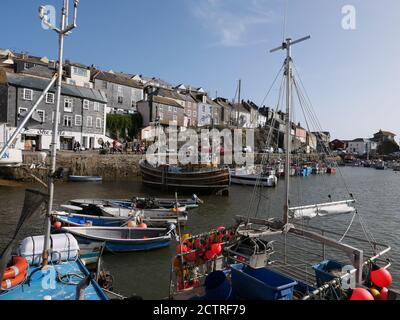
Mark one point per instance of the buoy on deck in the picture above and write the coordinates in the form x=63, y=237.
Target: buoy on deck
x=57, y=225
x=381, y=278
x=361, y=294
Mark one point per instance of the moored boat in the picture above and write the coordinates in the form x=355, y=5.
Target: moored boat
x=202, y=180
x=122, y=239
x=85, y=179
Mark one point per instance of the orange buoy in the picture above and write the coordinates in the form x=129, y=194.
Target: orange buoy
x=361, y=294
x=57, y=225
x=11, y=283
x=132, y=224
x=381, y=278
x=20, y=265
x=181, y=248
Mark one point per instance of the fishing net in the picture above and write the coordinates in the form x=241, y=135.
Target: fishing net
x=33, y=201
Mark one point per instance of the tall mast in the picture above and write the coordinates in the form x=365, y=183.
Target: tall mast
x=288, y=73
x=64, y=29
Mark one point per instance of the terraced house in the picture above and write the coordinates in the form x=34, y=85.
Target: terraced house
x=82, y=113
x=123, y=92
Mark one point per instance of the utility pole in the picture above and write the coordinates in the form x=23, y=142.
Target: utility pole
x=62, y=32
x=288, y=73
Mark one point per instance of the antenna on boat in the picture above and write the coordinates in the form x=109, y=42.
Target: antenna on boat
x=288, y=73
x=62, y=32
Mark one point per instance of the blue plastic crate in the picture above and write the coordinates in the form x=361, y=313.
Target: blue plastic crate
x=260, y=284
x=322, y=269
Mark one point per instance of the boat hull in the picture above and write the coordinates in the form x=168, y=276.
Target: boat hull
x=254, y=180
x=208, y=181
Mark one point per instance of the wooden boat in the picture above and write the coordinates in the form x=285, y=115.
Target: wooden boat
x=85, y=179
x=119, y=239
x=204, y=180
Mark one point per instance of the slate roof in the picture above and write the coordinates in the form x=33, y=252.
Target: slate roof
x=116, y=78
x=37, y=83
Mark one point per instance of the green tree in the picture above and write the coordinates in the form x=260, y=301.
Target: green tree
x=124, y=127
x=387, y=147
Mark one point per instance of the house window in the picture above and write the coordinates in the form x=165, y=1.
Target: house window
x=78, y=120
x=174, y=117
x=89, y=122
x=28, y=94
x=96, y=106
x=22, y=110
x=68, y=104
x=28, y=65
x=41, y=115
x=68, y=121
x=161, y=116
x=98, y=123
x=194, y=113
x=79, y=72
x=204, y=108
x=169, y=108
x=50, y=98
x=104, y=85
x=120, y=100
x=175, y=109
x=52, y=118
x=86, y=104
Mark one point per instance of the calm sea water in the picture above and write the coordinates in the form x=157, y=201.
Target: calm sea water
x=147, y=274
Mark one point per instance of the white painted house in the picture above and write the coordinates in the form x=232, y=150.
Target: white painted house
x=362, y=146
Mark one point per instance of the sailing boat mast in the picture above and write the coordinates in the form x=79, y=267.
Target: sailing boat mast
x=62, y=32
x=288, y=73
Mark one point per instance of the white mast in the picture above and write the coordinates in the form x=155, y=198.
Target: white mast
x=288, y=73
x=62, y=31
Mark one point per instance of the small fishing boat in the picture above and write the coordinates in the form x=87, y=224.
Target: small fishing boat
x=248, y=177
x=92, y=206
x=66, y=272
x=123, y=239
x=80, y=220
x=85, y=179
x=185, y=179
x=148, y=214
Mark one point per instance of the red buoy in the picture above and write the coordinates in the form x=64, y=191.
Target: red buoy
x=57, y=225
x=181, y=248
x=210, y=255
x=381, y=278
x=384, y=294
x=216, y=248
x=361, y=294
x=190, y=257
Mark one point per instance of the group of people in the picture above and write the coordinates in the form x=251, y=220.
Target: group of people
x=124, y=147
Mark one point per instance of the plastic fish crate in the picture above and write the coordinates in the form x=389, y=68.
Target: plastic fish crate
x=260, y=284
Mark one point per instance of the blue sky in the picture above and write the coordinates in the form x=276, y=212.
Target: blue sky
x=351, y=76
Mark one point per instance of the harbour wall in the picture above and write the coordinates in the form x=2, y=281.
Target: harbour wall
x=110, y=167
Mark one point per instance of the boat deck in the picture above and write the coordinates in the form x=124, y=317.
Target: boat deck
x=41, y=284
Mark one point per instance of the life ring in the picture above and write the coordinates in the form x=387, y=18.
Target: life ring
x=11, y=283
x=20, y=265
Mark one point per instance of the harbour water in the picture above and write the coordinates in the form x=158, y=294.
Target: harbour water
x=147, y=274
